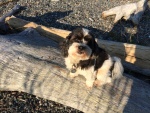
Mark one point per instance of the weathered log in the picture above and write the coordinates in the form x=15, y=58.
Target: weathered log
x=52, y=33
x=33, y=64
x=3, y=26
x=135, y=54
x=130, y=53
x=131, y=67
x=15, y=10
x=132, y=11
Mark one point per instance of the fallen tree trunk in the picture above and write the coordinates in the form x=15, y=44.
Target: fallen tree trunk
x=130, y=53
x=132, y=11
x=55, y=34
x=3, y=26
x=134, y=54
x=33, y=64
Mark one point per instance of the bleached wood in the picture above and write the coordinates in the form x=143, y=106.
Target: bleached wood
x=52, y=33
x=135, y=54
x=33, y=64
x=131, y=11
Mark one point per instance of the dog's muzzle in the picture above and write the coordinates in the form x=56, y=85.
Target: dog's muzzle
x=81, y=49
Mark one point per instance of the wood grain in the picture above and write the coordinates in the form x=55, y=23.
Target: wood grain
x=33, y=64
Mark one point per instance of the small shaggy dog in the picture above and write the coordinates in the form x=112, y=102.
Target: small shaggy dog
x=84, y=57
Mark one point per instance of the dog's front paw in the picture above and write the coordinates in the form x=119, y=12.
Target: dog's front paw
x=109, y=80
x=100, y=82
x=97, y=83
x=72, y=75
x=89, y=84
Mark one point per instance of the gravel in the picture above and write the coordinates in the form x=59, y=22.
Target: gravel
x=20, y=102
x=69, y=14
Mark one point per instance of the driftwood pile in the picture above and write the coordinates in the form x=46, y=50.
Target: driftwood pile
x=32, y=63
x=132, y=11
x=130, y=53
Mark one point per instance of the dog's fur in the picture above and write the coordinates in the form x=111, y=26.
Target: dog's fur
x=83, y=55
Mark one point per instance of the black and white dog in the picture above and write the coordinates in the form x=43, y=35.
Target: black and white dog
x=83, y=56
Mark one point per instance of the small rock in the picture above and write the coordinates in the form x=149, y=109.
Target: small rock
x=91, y=19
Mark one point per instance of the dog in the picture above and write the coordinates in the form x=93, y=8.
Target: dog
x=83, y=56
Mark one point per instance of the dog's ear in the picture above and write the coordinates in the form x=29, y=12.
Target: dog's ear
x=64, y=46
x=91, y=41
x=68, y=38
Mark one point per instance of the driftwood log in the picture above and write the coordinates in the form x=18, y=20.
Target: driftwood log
x=33, y=64
x=134, y=57
x=4, y=28
x=132, y=11
x=130, y=53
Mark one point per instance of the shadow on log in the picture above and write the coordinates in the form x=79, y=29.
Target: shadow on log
x=33, y=64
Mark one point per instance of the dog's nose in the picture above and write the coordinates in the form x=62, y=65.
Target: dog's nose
x=81, y=47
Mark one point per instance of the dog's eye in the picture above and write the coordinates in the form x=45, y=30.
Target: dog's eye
x=87, y=38
x=77, y=40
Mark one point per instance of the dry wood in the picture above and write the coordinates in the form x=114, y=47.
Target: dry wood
x=14, y=10
x=33, y=64
x=3, y=26
x=133, y=68
x=132, y=11
x=135, y=54
x=52, y=33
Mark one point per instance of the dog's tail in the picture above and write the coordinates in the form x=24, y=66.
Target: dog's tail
x=118, y=69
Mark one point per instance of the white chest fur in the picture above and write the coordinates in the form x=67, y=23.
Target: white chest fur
x=88, y=73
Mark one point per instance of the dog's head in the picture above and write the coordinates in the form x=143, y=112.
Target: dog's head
x=79, y=44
